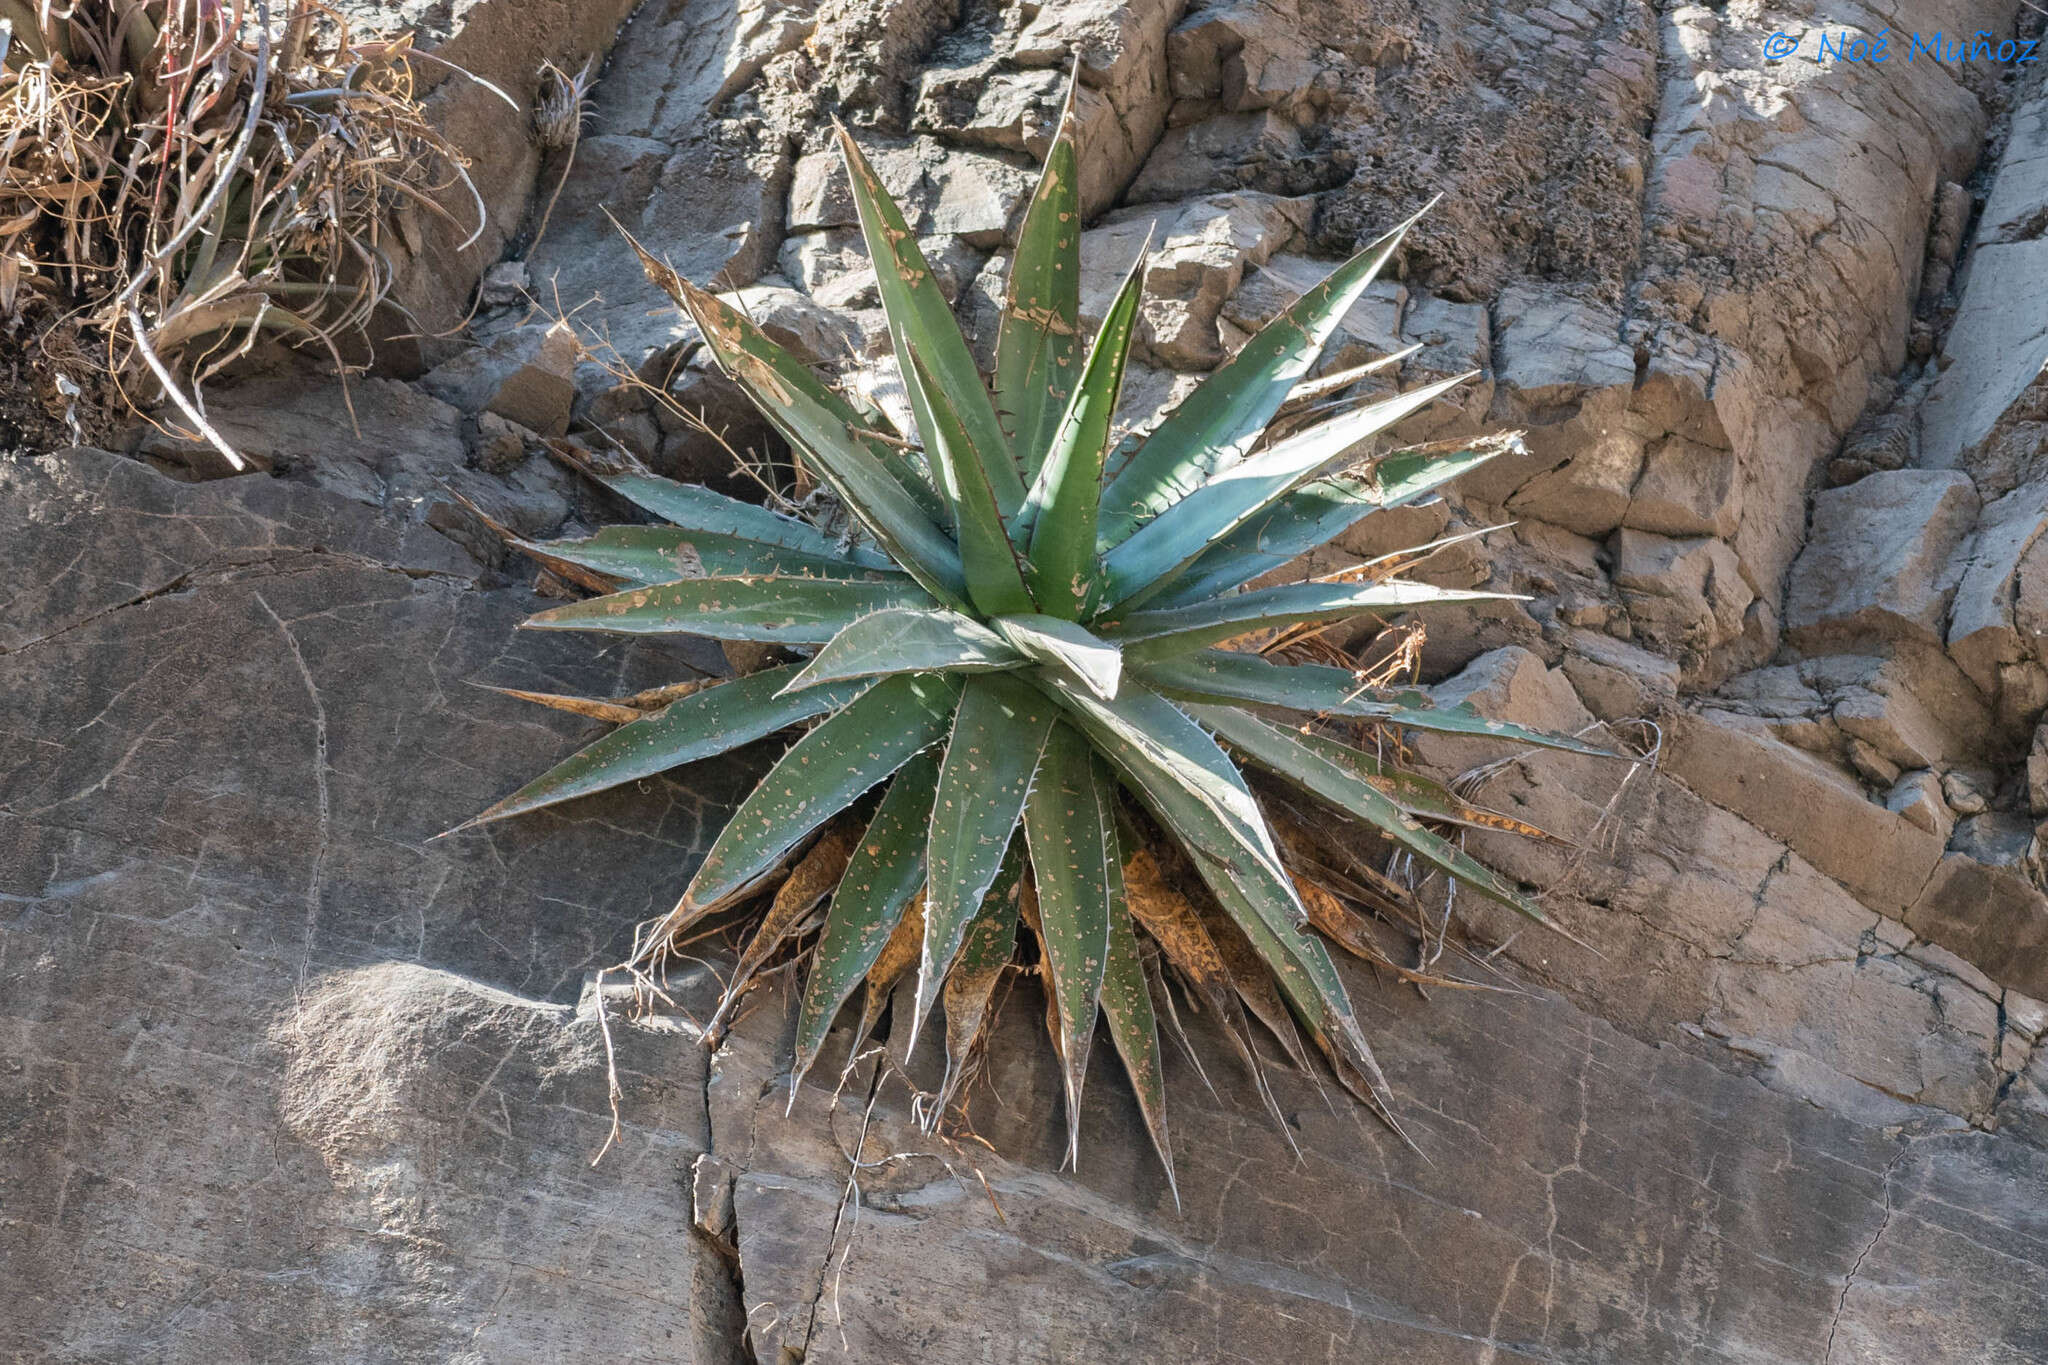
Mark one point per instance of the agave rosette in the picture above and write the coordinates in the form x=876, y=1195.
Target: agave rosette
x=1015, y=676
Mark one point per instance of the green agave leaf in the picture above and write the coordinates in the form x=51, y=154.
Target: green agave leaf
x=1283, y=753
x=995, y=581
x=1252, y=981
x=642, y=556
x=692, y=508
x=885, y=871
x=1070, y=825
x=1416, y=794
x=1222, y=419
x=815, y=410
x=1180, y=630
x=908, y=640
x=1165, y=545
x=825, y=430
x=1218, y=675
x=1306, y=519
x=1159, y=747
x=990, y=943
x=773, y=609
x=1199, y=796
x=1405, y=475
x=1072, y=649
x=1134, y=1028
x=701, y=725
x=1060, y=510
x=822, y=774
x=922, y=322
x=990, y=756
x=1317, y=513
x=1325, y=385
x=1039, y=338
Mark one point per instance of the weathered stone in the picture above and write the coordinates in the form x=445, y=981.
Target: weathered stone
x=1982, y=635
x=1560, y=364
x=2013, y=211
x=1686, y=489
x=983, y=106
x=1995, y=838
x=1992, y=916
x=1734, y=762
x=342, y=437
x=700, y=191
x=800, y=325
x=1686, y=595
x=1120, y=46
x=1879, y=563
x=1617, y=680
x=1917, y=796
x=2037, y=774
x=1455, y=337
x=285, y=1080
x=1257, y=151
x=1240, y=56
x=526, y=375
x=1867, y=759
x=1199, y=256
x=1510, y=684
x=1374, y=321
x=958, y=193
x=1911, y=704
x=1985, y=413
x=484, y=54
x=1149, y=394
x=1138, y=1278
x=1965, y=792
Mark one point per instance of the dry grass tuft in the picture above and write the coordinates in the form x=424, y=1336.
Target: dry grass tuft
x=180, y=181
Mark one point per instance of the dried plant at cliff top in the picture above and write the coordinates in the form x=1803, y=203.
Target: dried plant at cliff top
x=176, y=181
x=1026, y=711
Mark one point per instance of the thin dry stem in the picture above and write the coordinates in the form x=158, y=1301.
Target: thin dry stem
x=175, y=189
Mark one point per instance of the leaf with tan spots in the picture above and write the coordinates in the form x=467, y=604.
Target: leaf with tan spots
x=867, y=921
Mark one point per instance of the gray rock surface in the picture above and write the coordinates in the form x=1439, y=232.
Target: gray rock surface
x=292, y=1082
x=282, y=1080
x=285, y=1080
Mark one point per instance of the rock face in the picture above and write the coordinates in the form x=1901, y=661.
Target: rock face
x=285, y=1080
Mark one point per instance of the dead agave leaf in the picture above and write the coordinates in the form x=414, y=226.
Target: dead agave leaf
x=612, y=712
x=966, y=1002
x=666, y=935
x=969, y=989
x=906, y=941
x=654, y=698
x=588, y=579
x=617, y=711
x=1164, y=1008
x=1173, y=924
x=1027, y=910
x=1254, y=985
x=1303, y=844
x=1167, y=916
x=809, y=882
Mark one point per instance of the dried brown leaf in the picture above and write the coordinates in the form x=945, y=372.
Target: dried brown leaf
x=906, y=940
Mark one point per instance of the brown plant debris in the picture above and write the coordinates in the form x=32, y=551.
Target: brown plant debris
x=183, y=181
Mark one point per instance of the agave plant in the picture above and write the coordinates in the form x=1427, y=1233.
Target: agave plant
x=1025, y=650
